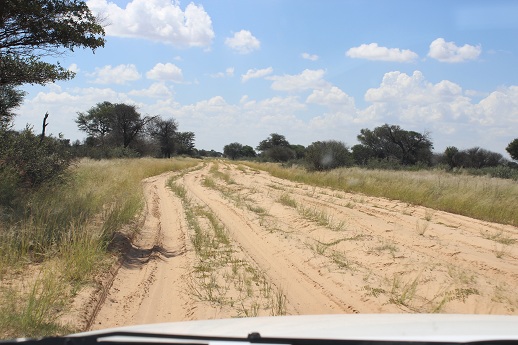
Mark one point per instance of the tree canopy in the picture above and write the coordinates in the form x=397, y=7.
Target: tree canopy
x=34, y=29
x=119, y=123
x=393, y=142
x=276, y=148
x=237, y=150
x=325, y=155
x=164, y=131
x=512, y=148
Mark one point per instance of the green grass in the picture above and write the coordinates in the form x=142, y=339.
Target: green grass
x=68, y=225
x=25, y=310
x=479, y=197
x=286, y=200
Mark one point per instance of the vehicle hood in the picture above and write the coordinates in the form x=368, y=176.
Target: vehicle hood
x=393, y=327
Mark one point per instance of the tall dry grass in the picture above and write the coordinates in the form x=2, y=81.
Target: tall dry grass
x=65, y=229
x=479, y=197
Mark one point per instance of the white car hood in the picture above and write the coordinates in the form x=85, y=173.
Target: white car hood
x=393, y=327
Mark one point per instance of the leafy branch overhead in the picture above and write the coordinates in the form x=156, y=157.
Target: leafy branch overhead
x=33, y=29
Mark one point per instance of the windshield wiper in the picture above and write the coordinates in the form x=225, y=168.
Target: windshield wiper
x=137, y=338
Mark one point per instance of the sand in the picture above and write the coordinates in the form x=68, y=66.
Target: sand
x=290, y=248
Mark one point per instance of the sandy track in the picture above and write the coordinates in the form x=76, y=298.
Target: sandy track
x=239, y=242
x=147, y=288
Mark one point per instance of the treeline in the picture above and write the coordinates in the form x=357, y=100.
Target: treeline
x=384, y=147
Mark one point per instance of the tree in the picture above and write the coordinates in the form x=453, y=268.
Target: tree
x=389, y=141
x=97, y=121
x=299, y=150
x=127, y=123
x=325, y=155
x=10, y=98
x=477, y=158
x=185, y=143
x=237, y=150
x=276, y=148
x=512, y=148
x=451, y=156
x=32, y=30
x=272, y=141
x=362, y=154
x=248, y=151
x=233, y=150
x=164, y=132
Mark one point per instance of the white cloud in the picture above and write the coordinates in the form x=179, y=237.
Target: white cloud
x=450, y=52
x=229, y=72
x=157, y=20
x=414, y=99
x=155, y=90
x=374, y=52
x=331, y=97
x=311, y=57
x=120, y=74
x=308, y=79
x=167, y=71
x=243, y=42
x=256, y=73
x=500, y=106
x=74, y=68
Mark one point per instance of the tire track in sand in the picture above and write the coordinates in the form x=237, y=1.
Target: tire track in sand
x=302, y=284
x=148, y=287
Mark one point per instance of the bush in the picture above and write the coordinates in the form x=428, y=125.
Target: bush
x=325, y=155
x=26, y=161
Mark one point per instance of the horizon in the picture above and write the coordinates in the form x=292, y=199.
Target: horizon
x=232, y=71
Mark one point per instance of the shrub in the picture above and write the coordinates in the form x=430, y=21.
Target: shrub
x=325, y=155
x=27, y=161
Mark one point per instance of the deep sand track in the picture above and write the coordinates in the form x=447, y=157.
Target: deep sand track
x=270, y=246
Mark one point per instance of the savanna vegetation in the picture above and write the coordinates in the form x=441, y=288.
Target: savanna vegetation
x=61, y=204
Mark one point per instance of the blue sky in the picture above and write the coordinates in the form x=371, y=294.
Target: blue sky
x=239, y=70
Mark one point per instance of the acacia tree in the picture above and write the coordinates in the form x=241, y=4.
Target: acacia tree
x=389, y=141
x=164, y=132
x=119, y=123
x=276, y=148
x=237, y=150
x=184, y=143
x=96, y=122
x=31, y=30
x=233, y=150
x=127, y=123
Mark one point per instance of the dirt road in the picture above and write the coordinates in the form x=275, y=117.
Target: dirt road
x=224, y=240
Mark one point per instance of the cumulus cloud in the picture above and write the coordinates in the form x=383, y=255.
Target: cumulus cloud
x=307, y=79
x=374, y=52
x=311, y=57
x=155, y=90
x=120, y=74
x=256, y=73
x=229, y=72
x=165, y=72
x=243, y=42
x=157, y=20
x=450, y=52
x=499, y=106
x=413, y=98
x=331, y=97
